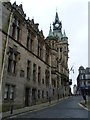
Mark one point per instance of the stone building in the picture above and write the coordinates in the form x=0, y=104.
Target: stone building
x=35, y=67
x=83, y=79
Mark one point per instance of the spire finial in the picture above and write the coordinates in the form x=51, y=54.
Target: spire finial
x=50, y=26
x=50, y=31
x=56, y=9
x=56, y=17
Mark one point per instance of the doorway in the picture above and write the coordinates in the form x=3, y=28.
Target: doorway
x=34, y=96
x=27, y=96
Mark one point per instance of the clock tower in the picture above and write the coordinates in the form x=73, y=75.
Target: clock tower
x=57, y=27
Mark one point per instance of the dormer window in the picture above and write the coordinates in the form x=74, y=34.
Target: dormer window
x=14, y=20
x=15, y=29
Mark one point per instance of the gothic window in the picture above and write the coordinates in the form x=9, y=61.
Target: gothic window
x=9, y=92
x=43, y=94
x=13, y=30
x=31, y=44
x=12, y=60
x=42, y=81
x=9, y=65
x=28, y=42
x=16, y=28
x=47, y=75
x=39, y=74
x=22, y=73
x=12, y=92
x=40, y=51
x=34, y=72
x=54, y=83
x=47, y=94
x=47, y=56
x=60, y=49
x=14, y=63
x=38, y=94
x=28, y=69
x=6, y=92
x=53, y=91
x=18, y=33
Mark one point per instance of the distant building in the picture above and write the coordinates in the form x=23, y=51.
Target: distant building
x=83, y=79
x=75, y=89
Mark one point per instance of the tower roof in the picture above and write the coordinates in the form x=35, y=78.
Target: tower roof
x=50, y=32
x=56, y=17
x=64, y=35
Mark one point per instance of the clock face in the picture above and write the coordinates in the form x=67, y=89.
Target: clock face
x=56, y=25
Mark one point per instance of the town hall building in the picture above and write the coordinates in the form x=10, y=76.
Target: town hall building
x=35, y=67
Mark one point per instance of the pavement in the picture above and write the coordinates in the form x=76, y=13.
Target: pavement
x=66, y=108
x=8, y=114
x=85, y=106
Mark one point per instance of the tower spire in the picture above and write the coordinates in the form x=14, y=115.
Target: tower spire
x=50, y=31
x=56, y=17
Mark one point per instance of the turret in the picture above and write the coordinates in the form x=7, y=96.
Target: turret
x=50, y=32
x=64, y=37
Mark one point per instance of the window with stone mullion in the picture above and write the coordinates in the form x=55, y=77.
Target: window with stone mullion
x=47, y=77
x=18, y=33
x=6, y=94
x=38, y=94
x=39, y=74
x=28, y=69
x=31, y=44
x=10, y=61
x=12, y=91
x=14, y=25
x=28, y=42
x=34, y=72
x=13, y=30
x=14, y=63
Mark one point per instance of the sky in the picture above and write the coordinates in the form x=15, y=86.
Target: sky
x=74, y=17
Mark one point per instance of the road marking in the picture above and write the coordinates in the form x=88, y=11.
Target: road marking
x=83, y=107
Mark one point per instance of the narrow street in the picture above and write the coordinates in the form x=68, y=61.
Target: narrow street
x=68, y=108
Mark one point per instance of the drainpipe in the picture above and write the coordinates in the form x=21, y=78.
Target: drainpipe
x=6, y=47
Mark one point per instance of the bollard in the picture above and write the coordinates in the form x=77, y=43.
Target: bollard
x=11, y=109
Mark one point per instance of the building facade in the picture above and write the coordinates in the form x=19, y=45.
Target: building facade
x=35, y=67
x=83, y=80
